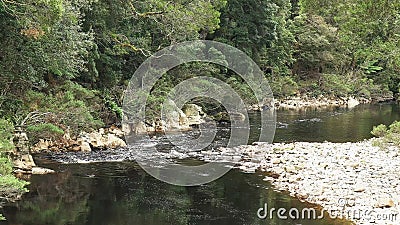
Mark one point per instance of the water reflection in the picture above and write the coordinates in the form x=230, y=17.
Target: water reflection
x=122, y=193
x=334, y=124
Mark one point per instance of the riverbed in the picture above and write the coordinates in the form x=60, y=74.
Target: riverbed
x=90, y=189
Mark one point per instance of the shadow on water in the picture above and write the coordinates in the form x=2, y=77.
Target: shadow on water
x=120, y=193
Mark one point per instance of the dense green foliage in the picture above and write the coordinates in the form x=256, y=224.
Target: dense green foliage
x=68, y=62
x=355, y=40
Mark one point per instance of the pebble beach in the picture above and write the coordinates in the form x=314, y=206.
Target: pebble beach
x=356, y=181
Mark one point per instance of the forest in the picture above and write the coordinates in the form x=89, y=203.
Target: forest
x=64, y=64
x=74, y=58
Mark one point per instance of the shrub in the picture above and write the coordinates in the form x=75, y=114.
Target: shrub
x=12, y=186
x=46, y=131
x=70, y=105
x=284, y=86
x=243, y=89
x=114, y=107
x=6, y=130
x=379, y=131
x=335, y=85
x=5, y=166
x=365, y=87
x=389, y=135
x=395, y=127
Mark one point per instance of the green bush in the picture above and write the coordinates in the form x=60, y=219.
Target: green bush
x=389, y=135
x=5, y=166
x=46, y=131
x=6, y=130
x=77, y=91
x=243, y=89
x=114, y=107
x=333, y=84
x=379, y=131
x=283, y=86
x=70, y=105
x=10, y=187
x=10, y=184
x=395, y=127
x=365, y=87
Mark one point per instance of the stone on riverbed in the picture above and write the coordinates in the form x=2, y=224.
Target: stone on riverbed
x=41, y=145
x=194, y=114
x=384, y=202
x=101, y=140
x=352, y=102
x=35, y=171
x=359, y=187
x=276, y=161
x=41, y=171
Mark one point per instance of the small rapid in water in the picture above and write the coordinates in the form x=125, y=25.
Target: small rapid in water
x=308, y=125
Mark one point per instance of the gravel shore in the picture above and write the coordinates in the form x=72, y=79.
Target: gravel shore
x=357, y=181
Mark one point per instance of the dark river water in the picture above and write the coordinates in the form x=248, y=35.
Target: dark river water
x=121, y=193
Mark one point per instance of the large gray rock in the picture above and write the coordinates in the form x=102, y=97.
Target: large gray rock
x=99, y=139
x=115, y=130
x=174, y=117
x=139, y=127
x=234, y=117
x=24, y=162
x=135, y=127
x=114, y=142
x=83, y=146
x=384, y=202
x=42, y=145
x=20, y=141
x=194, y=114
x=96, y=139
x=352, y=102
x=41, y=171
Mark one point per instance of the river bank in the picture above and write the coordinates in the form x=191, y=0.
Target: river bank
x=357, y=181
x=177, y=119
x=300, y=102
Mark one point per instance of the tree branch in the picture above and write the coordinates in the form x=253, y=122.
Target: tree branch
x=131, y=46
x=145, y=14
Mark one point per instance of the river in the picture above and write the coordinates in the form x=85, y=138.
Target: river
x=119, y=193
